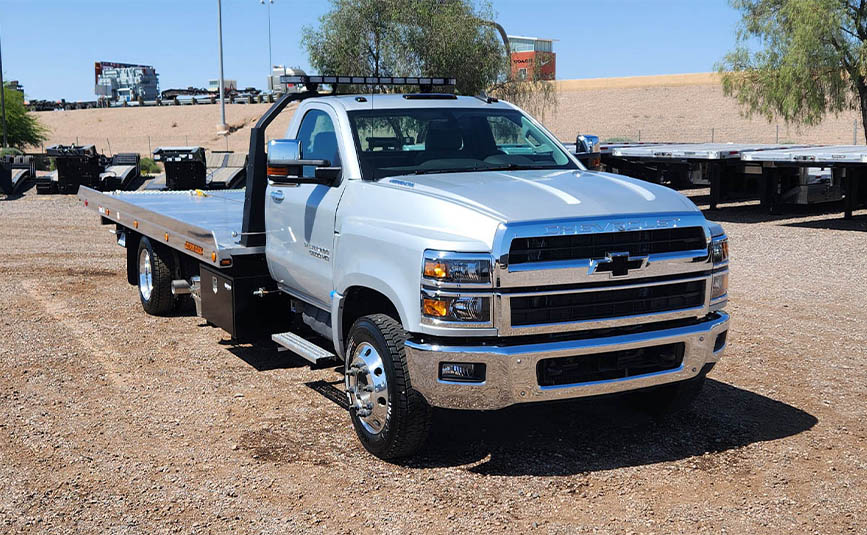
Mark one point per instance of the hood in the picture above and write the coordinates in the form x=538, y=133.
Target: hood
x=545, y=194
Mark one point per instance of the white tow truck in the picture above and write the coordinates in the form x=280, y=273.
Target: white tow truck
x=448, y=249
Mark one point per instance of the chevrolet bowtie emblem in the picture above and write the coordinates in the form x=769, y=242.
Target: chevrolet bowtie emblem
x=618, y=264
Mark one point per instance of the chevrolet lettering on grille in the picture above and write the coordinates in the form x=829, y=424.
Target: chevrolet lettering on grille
x=611, y=226
x=618, y=264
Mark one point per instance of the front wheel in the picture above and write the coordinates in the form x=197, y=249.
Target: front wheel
x=390, y=418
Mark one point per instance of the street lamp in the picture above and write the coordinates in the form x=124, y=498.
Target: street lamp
x=267, y=4
x=3, y=99
x=222, y=126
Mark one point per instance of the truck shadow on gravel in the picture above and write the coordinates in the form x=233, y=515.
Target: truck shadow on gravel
x=589, y=435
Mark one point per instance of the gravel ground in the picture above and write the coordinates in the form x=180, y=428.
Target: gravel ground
x=112, y=421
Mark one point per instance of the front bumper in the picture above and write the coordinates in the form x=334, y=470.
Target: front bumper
x=511, y=370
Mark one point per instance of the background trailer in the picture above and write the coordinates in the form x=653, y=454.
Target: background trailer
x=689, y=164
x=784, y=167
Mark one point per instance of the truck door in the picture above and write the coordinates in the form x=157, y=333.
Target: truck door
x=300, y=218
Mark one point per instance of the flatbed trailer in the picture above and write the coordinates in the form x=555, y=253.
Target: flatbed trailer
x=685, y=163
x=848, y=164
x=225, y=169
x=15, y=172
x=193, y=168
x=185, y=167
x=122, y=171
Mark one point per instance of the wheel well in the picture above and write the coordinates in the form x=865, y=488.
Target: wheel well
x=360, y=301
x=132, y=241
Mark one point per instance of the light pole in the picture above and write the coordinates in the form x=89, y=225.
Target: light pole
x=267, y=4
x=222, y=126
x=3, y=99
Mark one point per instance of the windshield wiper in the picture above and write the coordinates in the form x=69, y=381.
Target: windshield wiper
x=452, y=170
x=517, y=167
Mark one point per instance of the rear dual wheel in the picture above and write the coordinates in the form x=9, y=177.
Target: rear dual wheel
x=155, y=278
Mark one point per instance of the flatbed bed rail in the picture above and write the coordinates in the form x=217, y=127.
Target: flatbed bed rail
x=204, y=225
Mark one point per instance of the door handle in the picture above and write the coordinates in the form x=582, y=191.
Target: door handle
x=277, y=194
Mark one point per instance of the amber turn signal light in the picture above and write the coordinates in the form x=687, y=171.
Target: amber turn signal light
x=435, y=308
x=435, y=270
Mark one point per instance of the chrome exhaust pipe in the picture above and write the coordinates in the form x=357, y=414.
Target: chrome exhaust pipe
x=181, y=287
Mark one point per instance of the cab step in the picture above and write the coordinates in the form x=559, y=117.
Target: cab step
x=290, y=341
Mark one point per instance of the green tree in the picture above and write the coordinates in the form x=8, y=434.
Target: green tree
x=799, y=59
x=22, y=127
x=418, y=38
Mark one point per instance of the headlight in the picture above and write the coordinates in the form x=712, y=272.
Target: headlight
x=462, y=308
x=456, y=268
x=720, y=250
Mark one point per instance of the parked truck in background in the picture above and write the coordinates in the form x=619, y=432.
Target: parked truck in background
x=449, y=250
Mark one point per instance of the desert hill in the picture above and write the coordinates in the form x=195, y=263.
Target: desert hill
x=683, y=107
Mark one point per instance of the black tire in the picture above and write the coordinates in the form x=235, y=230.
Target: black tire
x=158, y=299
x=671, y=398
x=407, y=424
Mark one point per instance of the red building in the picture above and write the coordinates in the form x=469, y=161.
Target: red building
x=532, y=57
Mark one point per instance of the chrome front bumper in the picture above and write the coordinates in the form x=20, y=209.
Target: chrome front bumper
x=511, y=370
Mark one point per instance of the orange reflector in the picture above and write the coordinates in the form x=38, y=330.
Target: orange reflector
x=167, y=236
x=213, y=257
x=277, y=171
x=432, y=307
x=226, y=262
x=194, y=248
x=436, y=270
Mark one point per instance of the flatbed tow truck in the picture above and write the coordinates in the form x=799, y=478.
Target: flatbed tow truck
x=448, y=249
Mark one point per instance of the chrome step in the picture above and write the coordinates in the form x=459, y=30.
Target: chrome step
x=302, y=347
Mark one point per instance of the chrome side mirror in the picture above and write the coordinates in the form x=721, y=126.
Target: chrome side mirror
x=282, y=151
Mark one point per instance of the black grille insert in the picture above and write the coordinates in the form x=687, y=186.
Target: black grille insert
x=589, y=246
x=559, y=308
x=606, y=366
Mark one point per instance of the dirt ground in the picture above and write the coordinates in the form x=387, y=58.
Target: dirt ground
x=112, y=421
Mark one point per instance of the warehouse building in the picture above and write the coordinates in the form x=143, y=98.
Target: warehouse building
x=532, y=53
x=124, y=82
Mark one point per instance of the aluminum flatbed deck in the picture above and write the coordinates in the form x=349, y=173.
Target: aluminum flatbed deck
x=692, y=151
x=814, y=156
x=205, y=225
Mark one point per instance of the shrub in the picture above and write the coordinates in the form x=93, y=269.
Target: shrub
x=149, y=166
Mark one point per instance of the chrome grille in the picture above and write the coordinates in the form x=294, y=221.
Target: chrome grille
x=596, y=246
x=606, y=303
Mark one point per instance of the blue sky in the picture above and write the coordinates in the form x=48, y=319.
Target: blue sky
x=51, y=45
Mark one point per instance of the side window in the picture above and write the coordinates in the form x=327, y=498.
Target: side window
x=318, y=139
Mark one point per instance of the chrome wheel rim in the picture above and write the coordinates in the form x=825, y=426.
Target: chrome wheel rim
x=145, y=275
x=367, y=388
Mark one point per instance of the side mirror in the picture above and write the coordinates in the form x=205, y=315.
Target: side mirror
x=590, y=142
x=286, y=165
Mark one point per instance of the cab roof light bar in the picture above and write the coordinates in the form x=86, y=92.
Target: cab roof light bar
x=309, y=80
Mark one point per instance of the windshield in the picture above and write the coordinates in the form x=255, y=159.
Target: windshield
x=442, y=140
